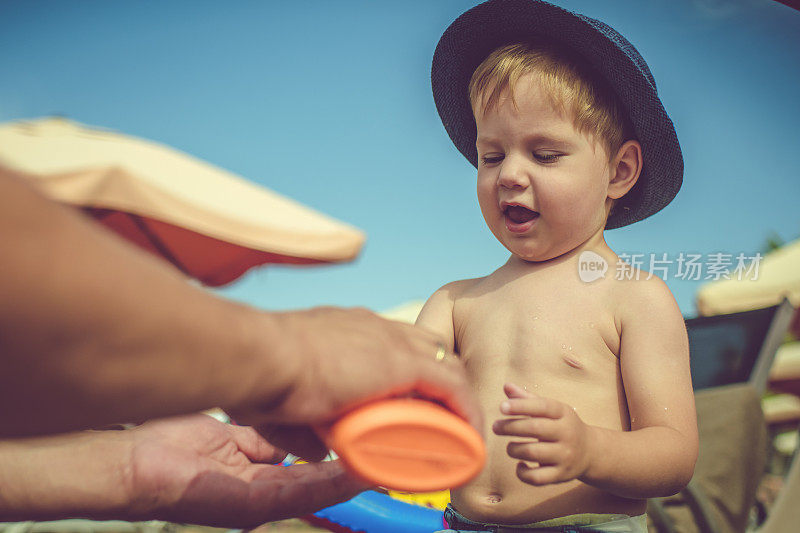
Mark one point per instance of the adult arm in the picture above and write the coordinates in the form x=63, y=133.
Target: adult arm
x=189, y=469
x=95, y=331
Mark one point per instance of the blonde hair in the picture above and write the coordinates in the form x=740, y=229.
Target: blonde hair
x=566, y=82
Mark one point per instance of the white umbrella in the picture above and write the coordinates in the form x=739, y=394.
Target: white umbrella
x=778, y=277
x=210, y=223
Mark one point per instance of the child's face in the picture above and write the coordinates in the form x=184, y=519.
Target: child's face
x=542, y=185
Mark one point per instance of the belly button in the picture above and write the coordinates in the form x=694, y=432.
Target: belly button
x=494, y=498
x=571, y=361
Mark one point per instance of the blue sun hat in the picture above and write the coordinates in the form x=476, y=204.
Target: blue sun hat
x=488, y=26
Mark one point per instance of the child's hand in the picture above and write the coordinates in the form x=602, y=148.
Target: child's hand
x=561, y=445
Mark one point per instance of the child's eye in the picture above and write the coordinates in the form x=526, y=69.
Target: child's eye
x=488, y=160
x=547, y=158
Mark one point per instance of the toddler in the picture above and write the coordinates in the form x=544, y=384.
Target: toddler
x=583, y=375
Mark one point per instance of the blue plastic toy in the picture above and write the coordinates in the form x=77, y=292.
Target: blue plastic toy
x=373, y=512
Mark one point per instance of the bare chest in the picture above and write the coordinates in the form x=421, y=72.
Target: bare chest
x=535, y=328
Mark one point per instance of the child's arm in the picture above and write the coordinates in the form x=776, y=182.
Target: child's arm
x=655, y=458
x=437, y=314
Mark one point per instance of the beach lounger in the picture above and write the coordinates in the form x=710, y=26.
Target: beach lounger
x=731, y=356
x=785, y=513
x=87, y=526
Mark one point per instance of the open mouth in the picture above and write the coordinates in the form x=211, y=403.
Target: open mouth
x=519, y=214
x=519, y=218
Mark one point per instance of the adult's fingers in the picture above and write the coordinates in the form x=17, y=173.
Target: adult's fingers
x=301, y=441
x=443, y=381
x=274, y=493
x=351, y=357
x=403, y=361
x=254, y=446
x=301, y=489
x=446, y=383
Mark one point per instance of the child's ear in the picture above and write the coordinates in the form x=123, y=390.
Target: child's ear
x=625, y=169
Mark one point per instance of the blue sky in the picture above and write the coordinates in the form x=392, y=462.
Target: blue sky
x=329, y=103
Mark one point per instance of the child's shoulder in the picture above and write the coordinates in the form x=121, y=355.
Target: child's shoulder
x=456, y=289
x=642, y=296
x=437, y=314
x=634, y=282
x=445, y=297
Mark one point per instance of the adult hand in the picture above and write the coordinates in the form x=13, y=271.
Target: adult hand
x=197, y=470
x=343, y=358
x=190, y=469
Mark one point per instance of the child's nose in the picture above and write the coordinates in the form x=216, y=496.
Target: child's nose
x=512, y=174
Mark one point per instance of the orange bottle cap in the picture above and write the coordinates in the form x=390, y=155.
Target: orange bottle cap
x=408, y=445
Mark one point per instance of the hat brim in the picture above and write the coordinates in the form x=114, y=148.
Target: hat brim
x=482, y=29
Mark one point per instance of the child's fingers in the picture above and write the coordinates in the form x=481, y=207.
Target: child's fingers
x=538, y=428
x=542, y=475
x=515, y=391
x=544, y=453
x=533, y=406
